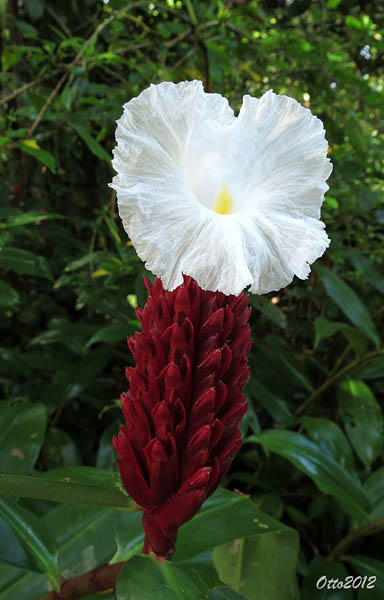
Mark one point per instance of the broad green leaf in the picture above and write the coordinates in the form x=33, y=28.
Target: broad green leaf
x=104, y=596
x=144, y=578
x=362, y=418
x=9, y=297
x=11, y=54
x=374, y=488
x=369, y=369
x=24, y=262
x=59, y=450
x=367, y=269
x=329, y=476
x=325, y=329
x=271, y=311
x=80, y=262
x=71, y=335
x=357, y=339
x=330, y=438
x=112, y=333
x=292, y=365
x=106, y=454
x=348, y=302
x=129, y=536
x=203, y=565
x=224, y=593
x=354, y=22
x=249, y=565
x=34, y=538
x=5, y=236
x=22, y=429
x=224, y=517
x=94, y=146
x=45, y=157
x=366, y=565
x=85, y=539
x=73, y=485
x=274, y=405
x=319, y=573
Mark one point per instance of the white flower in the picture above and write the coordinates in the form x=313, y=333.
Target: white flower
x=230, y=201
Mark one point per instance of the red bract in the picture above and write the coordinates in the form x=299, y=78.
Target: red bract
x=184, y=404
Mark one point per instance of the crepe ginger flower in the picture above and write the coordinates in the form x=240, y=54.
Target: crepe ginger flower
x=184, y=405
x=230, y=201
x=212, y=203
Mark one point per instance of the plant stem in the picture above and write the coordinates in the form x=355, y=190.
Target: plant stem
x=355, y=535
x=100, y=579
x=328, y=382
x=191, y=11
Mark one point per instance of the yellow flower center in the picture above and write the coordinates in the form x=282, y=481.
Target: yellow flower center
x=224, y=202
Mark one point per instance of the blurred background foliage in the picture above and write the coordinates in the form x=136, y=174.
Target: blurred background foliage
x=70, y=278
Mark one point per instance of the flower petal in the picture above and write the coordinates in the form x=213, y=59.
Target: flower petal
x=177, y=145
x=281, y=180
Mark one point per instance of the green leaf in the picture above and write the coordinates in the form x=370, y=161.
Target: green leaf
x=34, y=150
x=224, y=593
x=112, y=333
x=367, y=269
x=129, y=537
x=8, y=295
x=11, y=55
x=31, y=217
x=330, y=438
x=249, y=565
x=5, y=236
x=329, y=476
x=271, y=311
x=292, y=365
x=354, y=22
x=80, y=262
x=316, y=579
x=24, y=262
x=369, y=369
x=224, y=517
x=144, y=578
x=74, y=485
x=374, y=487
x=348, y=302
x=325, y=329
x=60, y=450
x=366, y=565
x=22, y=429
x=106, y=454
x=35, y=540
x=85, y=539
x=273, y=404
x=362, y=419
x=92, y=144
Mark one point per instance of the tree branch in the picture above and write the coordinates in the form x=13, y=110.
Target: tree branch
x=78, y=56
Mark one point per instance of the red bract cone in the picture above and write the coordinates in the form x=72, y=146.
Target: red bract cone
x=184, y=404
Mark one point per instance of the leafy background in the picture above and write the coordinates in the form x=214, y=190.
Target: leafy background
x=312, y=457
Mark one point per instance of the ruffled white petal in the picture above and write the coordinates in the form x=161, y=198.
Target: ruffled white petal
x=177, y=147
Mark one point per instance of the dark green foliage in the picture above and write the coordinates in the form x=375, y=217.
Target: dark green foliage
x=70, y=280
